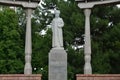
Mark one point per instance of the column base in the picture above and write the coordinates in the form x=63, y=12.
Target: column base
x=98, y=77
x=20, y=77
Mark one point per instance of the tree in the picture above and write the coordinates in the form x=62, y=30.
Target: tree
x=74, y=36
x=105, y=37
x=104, y=29
x=42, y=43
x=11, y=44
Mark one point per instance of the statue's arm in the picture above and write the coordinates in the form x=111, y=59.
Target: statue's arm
x=60, y=23
x=52, y=24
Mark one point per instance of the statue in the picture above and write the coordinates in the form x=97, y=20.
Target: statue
x=57, y=24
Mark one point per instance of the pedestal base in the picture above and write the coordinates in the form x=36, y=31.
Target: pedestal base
x=20, y=77
x=57, y=64
x=98, y=77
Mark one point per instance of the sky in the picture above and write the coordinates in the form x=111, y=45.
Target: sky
x=118, y=5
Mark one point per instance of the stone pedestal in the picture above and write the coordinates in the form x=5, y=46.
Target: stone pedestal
x=57, y=64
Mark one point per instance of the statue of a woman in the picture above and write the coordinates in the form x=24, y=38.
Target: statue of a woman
x=57, y=24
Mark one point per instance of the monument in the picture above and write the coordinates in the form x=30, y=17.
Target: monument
x=57, y=55
x=57, y=24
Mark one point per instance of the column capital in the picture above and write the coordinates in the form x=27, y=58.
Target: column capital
x=87, y=12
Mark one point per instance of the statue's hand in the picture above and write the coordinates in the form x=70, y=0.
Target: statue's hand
x=60, y=24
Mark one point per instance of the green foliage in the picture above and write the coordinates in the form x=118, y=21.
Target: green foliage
x=11, y=44
x=104, y=46
x=41, y=48
x=75, y=59
x=74, y=22
x=41, y=43
x=105, y=40
x=105, y=30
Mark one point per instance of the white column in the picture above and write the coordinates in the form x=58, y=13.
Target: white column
x=87, y=48
x=28, y=43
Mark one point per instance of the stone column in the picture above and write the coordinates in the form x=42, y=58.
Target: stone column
x=87, y=47
x=28, y=43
